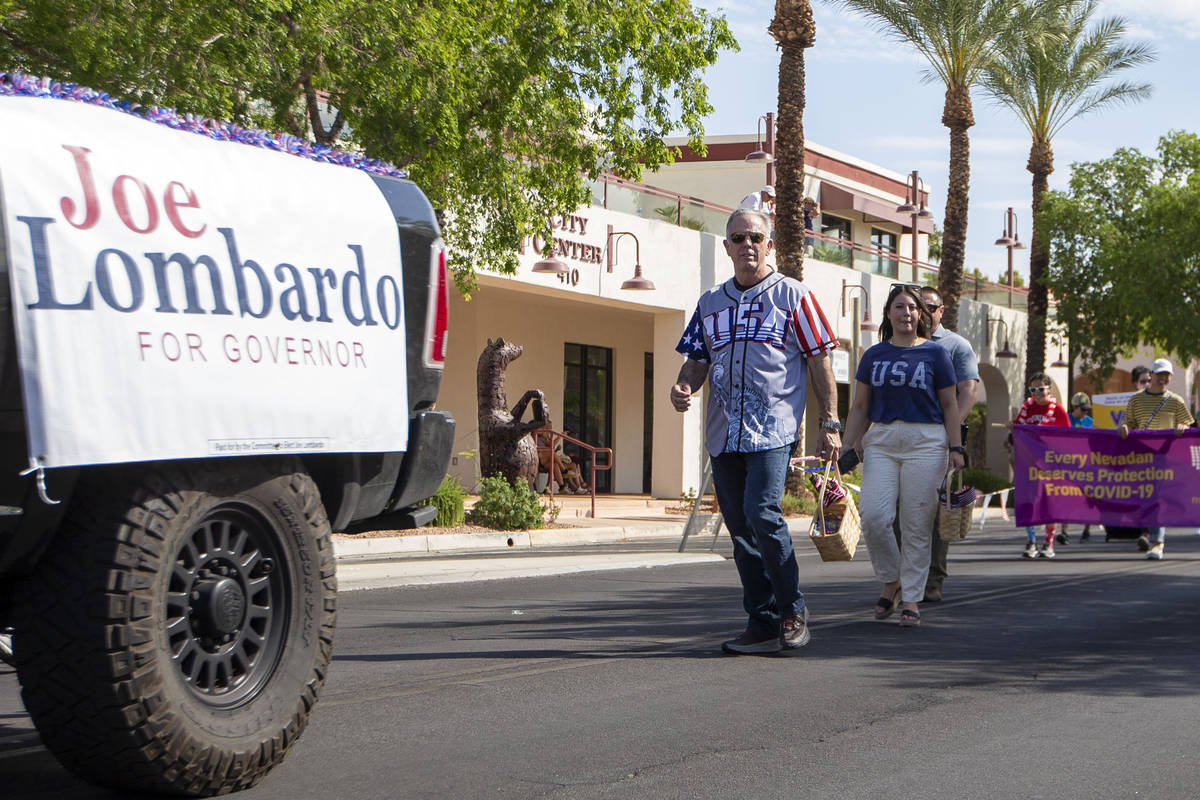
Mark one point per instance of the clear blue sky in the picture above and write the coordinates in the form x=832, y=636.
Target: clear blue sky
x=865, y=97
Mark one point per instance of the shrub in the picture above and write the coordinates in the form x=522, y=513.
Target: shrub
x=984, y=480
x=794, y=505
x=449, y=503
x=507, y=506
x=831, y=254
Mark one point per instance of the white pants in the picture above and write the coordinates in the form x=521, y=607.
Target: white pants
x=903, y=461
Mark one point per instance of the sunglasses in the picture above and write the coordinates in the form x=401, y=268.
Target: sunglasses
x=1143, y=379
x=1039, y=389
x=754, y=236
x=916, y=286
x=932, y=308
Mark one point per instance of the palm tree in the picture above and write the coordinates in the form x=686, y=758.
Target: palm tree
x=1047, y=81
x=958, y=39
x=794, y=29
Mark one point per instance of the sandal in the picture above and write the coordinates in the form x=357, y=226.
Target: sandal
x=884, y=606
x=910, y=618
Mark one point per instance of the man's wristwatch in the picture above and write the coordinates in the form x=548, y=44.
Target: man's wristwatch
x=832, y=425
x=958, y=449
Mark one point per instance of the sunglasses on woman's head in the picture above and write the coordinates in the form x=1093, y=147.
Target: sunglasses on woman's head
x=754, y=236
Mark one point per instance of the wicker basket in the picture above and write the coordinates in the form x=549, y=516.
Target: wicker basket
x=954, y=508
x=835, y=528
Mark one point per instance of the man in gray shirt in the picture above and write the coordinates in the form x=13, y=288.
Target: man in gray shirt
x=966, y=373
x=757, y=339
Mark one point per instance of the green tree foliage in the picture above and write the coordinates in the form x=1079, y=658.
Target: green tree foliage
x=957, y=38
x=1047, y=77
x=1124, y=244
x=935, y=245
x=498, y=108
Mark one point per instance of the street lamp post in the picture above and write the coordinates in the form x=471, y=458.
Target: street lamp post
x=1006, y=351
x=914, y=203
x=768, y=154
x=1010, y=239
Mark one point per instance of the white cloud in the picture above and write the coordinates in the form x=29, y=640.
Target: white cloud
x=1158, y=17
x=845, y=38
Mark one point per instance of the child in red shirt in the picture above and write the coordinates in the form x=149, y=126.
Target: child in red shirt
x=1041, y=409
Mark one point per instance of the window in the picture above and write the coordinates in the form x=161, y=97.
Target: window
x=827, y=251
x=835, y=226
x=882, y=264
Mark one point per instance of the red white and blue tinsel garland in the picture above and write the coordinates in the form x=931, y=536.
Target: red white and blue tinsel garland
x=15, y=83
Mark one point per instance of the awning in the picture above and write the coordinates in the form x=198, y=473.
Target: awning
x=835, y=198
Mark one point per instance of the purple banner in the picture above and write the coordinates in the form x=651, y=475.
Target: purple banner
x=1094, y=476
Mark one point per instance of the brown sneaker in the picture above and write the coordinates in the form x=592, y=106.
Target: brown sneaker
x=793, y=631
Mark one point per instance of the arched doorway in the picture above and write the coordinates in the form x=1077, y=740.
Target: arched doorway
x=995, y=393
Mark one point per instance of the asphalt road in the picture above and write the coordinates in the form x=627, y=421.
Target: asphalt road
x=1072, y=678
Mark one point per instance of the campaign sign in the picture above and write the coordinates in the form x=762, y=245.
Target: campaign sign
x=180, y=297
x=1083, y=475
x=1108, y=410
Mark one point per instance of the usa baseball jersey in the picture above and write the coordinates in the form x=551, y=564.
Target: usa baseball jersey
x=756, y=344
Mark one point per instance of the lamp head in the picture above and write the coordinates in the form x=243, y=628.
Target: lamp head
x=551, y=266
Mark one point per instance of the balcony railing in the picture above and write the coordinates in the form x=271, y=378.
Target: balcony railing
x=652, y=202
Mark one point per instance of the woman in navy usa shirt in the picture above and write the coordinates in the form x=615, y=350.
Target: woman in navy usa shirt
x=903, y=421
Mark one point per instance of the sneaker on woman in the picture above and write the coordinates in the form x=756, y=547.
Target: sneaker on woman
x=1047, y=551
x=1156, y=552
x=1030, y=551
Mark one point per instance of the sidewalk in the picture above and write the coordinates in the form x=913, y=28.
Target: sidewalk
x=370, y=562
x=619, y=518
x=420, y=559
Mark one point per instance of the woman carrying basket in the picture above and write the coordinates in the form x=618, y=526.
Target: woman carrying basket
x=902, y=420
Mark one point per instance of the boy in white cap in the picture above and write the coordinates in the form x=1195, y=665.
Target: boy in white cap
x=1156, y=408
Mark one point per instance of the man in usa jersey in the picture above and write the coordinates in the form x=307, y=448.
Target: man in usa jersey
x=757, y=339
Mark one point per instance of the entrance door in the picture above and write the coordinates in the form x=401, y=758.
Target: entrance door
x=587, y=403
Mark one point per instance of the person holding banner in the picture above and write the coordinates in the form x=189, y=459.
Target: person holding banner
x=1156, y=408
x=903, y=418
x=1041, y=409
x=1081, y=417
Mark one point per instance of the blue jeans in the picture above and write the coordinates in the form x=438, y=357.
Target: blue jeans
x=1157, y=535
x=749, y=487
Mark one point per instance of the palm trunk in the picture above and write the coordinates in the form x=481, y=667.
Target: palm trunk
x=958, y=117
x=1041, y=164
x=794, y=29
x=789, y=164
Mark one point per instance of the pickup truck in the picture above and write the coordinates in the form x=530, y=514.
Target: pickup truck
x=216, y=348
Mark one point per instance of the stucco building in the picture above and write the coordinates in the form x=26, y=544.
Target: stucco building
x=605, y=355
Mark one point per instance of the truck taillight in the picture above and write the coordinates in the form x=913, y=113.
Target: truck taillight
x=438, y=326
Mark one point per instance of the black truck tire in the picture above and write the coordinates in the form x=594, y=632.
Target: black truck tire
x=175, y=636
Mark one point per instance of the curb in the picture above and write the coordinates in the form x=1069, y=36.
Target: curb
x=348, y=546
x=359, y=575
